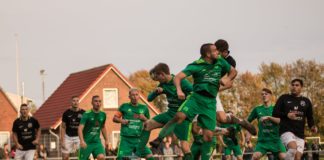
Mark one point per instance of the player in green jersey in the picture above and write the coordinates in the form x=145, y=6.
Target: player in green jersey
x=132, y=116
x=91, y=124
x=207, y=75
x=268, y=135
x=231, y=144
x=161, y=73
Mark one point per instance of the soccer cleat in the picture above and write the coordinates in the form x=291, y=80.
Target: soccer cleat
x=245, y=124
x=156, y=143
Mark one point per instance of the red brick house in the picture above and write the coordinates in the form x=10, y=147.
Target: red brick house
x=8, y=114
x=105, y=81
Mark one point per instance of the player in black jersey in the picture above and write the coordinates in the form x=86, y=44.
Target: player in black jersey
x=26, y=134
x=293, y=109
x=70, y=141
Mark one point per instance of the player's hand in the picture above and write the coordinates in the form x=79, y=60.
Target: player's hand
x=106, y=144
x=181, y=95
x=35, y=142
x=124, y=121
x=19, y=146
x=83, y=144
x=142, y=117
x=226, y=82
x=158, y=90
x=314, y=129
x=292, y=115
x=224, y=131
x=264, y=118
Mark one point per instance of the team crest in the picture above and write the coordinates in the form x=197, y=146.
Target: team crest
x=141, y=111
x=302, y=103
x=30, y=125
x=73, y=120
x=25, y=130
x=79, y=115
x=129, y=110
x=296, y=108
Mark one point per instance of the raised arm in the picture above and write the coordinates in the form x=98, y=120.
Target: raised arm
x=177, y=82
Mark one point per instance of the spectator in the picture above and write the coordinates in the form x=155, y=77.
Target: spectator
x=248, y=151
x=168, y=150
x=42, y=152
x=6, y=151
x=12, y=152
x=315, y=149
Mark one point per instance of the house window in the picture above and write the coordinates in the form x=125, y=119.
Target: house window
x=115, y=138
x=4, y=138
x=110, y=98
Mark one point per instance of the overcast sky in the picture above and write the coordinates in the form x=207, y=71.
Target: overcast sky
x=66, y=36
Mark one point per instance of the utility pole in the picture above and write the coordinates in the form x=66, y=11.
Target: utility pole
x=17, y=71
x=42, y=74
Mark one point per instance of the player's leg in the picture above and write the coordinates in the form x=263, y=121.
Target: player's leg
x=99, y=151
x=188, y=109
x=289, y=141
x=67, y=147
x=125, y=148
x=183, y=133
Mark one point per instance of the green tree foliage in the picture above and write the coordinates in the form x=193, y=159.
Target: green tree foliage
x=143, y=81
x=247, y=86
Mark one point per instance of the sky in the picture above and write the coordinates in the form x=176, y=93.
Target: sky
x=63, y=37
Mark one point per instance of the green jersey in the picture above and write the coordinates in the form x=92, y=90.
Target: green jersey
x=170, y=91
x=227, y=140
x=268, y=130
x=135, y=126
x=93, y=123
x=206, y=76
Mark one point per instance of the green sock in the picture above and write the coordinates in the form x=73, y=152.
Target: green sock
x=206, y=150
x=167, y=129
x=188, y=156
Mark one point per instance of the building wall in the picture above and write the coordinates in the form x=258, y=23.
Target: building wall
x=7, y=113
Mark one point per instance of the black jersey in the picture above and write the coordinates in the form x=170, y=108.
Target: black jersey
x=231, y=61
x=290, y=103
x=26, y=132
x=72, y=121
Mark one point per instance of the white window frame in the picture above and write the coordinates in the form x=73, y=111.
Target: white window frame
x=114, y=140
x=115, y=105
x=7, y=133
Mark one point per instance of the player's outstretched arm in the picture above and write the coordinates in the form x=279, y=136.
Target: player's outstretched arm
x=177, y=83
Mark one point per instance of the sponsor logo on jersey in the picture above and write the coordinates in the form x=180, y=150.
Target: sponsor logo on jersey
x=30, y=125
x=302, y=103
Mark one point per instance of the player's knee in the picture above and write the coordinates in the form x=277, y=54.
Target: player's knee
x=180, y=117
x=100, y=157
x=256, y=156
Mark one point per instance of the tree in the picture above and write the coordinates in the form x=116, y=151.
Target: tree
x=144, y=82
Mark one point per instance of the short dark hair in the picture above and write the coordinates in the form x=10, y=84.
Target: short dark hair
x=205, y=48
x=23, y=105
x=94, y=97
x=297, y=80
x=221, y=45
x=74, y=97
x=161, y=67
x=267, y=90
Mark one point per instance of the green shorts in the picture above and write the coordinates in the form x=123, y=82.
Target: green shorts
x=235, y=148
x=92, y=148
x=129, y=145
x=182, y=131
x=204, y=107
x=270, y=146
x=196, y=147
